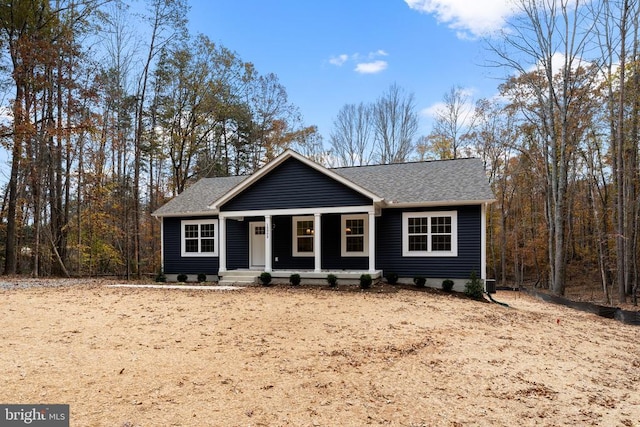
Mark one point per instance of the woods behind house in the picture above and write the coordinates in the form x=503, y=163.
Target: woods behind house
x=110, y=111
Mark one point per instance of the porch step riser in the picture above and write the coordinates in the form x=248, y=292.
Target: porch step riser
x=231, y=278
x=234, y=283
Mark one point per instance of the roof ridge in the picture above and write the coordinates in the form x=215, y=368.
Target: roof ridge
x=406, y=163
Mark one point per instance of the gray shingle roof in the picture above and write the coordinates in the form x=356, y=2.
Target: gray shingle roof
x=419, y=183
x=197, y=198
x=459, y=180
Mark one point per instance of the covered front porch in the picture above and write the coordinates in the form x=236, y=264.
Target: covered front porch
x=312, y=242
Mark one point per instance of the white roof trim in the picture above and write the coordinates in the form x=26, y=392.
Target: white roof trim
x=300, y=211
x=437, y=203
x=277, y=161
x=185, y=214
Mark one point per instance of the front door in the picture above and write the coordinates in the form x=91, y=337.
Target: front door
x=256, y=244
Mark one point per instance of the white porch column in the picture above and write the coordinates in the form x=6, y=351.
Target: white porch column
x=162, y=244
x=267, y=244
x=317, y=261
x=372, y=242
x=222, y=244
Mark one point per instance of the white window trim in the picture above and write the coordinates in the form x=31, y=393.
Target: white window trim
x=343, y=234
x=429, y=253
x=294, y=239
x=199, y=222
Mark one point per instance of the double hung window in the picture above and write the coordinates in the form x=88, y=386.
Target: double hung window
x=199, y=237
x=303, y=235
x=430, y=233
x=355, y=235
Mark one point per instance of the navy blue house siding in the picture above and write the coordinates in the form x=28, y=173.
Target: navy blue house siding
x=332, y=246
x=238, y=243
x=330, y=257
x=174, y=263
x=282, y=247
x=389, y=246
x=295, y=185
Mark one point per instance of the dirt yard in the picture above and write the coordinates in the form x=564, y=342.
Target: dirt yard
x=314, y=357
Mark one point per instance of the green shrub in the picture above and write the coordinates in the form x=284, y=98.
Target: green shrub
x=474, y=287
x=161, y=277
x=202, y=277
x=365, y=281
x=182, y=278
x=392, y=278
x=420, y=281
x=294, y=279
x=332, y=280
x=265, y=278
x=447, y=285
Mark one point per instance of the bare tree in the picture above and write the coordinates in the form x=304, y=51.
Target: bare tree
x=351, y=138
x=494, y=137
x=308, y=142
x=553, y=36
x=395, y=124
x=618, y=39
x=273, y=116
x=167, y=21
x=453, y=124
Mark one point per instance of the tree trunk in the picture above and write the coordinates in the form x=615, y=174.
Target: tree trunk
x=11, y=253
x=621, y=257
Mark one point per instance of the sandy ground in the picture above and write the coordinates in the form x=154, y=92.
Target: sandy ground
x=313, y=357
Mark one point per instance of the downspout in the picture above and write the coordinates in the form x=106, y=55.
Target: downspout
x=483, y=244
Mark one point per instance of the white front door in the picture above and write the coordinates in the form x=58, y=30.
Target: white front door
x=256, y=244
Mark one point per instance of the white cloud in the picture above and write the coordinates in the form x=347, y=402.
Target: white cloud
x=365, y=64
x=558, y=62
x=371, y=67
x=469, y=18
x=432, y=111
x=339, y=60
x=440, y=109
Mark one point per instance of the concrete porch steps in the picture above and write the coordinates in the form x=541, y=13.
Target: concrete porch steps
x=244, y=277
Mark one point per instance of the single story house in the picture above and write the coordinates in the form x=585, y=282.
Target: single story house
x=294, y=215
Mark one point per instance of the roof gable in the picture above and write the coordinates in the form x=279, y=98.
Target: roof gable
x=293, y=185
x=290, y=154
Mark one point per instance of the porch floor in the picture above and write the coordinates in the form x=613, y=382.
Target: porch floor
x=311, y=276
x=322, y=274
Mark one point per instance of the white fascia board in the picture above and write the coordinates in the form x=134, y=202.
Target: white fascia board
x=301, y=211
x=438, y=203
x=183, y=214
x=277, y=161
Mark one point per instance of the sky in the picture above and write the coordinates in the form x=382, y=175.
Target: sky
x=329, y=53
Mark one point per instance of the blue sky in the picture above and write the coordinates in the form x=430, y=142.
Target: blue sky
x=328, y=53
x=333, y=52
